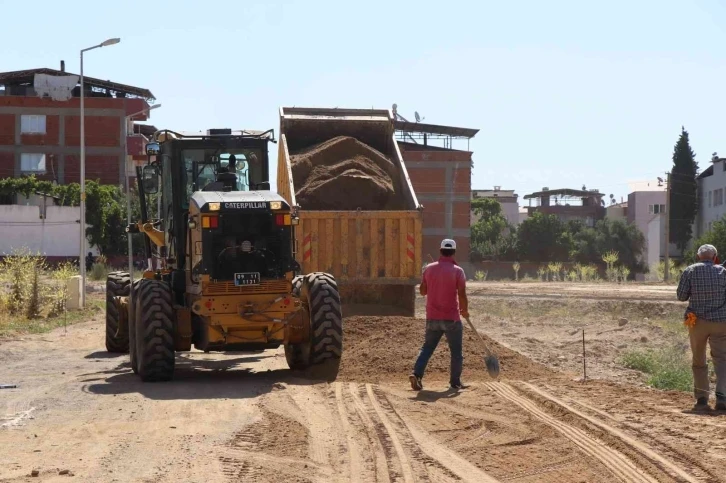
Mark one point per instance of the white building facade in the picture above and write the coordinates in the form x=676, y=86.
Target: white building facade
x=506, y=198
x=711, y=196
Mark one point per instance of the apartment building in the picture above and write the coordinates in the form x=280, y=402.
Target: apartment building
x=40, y=126
x=567, y=204
x=441, y=177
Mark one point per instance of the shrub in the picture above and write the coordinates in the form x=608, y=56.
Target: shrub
x=667, y=368
x=99, y=271
x=480, y=275
x=542, y=274
x=516, y=268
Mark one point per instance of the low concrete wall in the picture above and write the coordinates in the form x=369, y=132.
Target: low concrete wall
x=56, y=235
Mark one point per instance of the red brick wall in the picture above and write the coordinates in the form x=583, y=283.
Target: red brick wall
x=433, y=214
x=462, y=180
x=7, y=129
x=48, y=103
x=101, y=131
x=429, y=155
x=104, y=168
x=50, y=138
x=427, y=180
x=7, y=165
x=461, y=217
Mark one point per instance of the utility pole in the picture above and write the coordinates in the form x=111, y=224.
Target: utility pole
x=667, y=268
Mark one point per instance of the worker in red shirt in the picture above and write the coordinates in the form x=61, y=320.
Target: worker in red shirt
x=444, y=285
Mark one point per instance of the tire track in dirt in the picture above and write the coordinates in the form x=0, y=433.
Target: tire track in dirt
x=650, y=451
x=617, y=463
x=395, y=449
x=356, y=466
x=388, y=466
x=642, y=448
x=425, y=448
x=267, y=449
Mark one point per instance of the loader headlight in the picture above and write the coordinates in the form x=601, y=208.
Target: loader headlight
x=214, y=206
x=275, y=205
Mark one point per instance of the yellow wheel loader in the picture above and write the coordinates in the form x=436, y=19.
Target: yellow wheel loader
x=221, y=273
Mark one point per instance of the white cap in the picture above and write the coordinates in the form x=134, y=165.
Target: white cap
x=448, y=244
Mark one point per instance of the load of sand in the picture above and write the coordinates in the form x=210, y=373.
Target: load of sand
x=343, y=173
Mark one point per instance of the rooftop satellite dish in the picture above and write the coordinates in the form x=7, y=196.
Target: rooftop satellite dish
x=418, y=118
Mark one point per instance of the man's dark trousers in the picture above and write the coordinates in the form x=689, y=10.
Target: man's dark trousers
x=454, y=332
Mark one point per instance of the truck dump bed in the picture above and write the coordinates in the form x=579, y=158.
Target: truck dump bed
x=359, y=216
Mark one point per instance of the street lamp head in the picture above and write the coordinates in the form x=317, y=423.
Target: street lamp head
x=151, y=108
x=110, y=42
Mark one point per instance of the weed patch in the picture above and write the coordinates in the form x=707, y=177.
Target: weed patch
x=668, y=368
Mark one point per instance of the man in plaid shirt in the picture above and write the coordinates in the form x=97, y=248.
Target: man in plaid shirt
x=703, y=285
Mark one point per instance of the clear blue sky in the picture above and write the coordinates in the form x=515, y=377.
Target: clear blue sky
x=565, y=92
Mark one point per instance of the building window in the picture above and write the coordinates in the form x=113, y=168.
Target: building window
x=709, y=199
x=718, y=197
x=656, y=209
x=31, y=124
x=32, y=163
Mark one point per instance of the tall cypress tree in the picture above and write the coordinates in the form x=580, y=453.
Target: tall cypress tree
x=684, y=192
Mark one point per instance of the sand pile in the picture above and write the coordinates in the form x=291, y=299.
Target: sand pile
x=345, y=174
x=379, y=349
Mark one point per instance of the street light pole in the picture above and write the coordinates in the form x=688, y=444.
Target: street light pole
x=81, y=259
x=128, y=200
x=666, y=264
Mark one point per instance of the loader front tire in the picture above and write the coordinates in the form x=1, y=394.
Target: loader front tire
x=154, y=327
x=297, y=285
x=326, y=317
x=117, y=285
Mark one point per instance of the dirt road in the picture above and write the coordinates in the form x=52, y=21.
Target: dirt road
x=245, y=417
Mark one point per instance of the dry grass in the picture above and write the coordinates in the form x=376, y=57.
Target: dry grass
x=33, y=295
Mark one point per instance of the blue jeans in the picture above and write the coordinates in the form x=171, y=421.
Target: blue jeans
x=454, y=336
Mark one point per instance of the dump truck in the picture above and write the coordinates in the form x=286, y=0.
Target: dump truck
x=225, y=267
x=342, y=174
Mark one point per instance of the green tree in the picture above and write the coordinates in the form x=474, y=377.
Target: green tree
x=491, y=234
x=543, y=238
x=590, y=244
x=716, y=236
x=684, y=191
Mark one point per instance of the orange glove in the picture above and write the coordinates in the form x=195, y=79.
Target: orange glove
x=690, y=320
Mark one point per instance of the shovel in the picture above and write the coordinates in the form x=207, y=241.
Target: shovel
x=490, y=359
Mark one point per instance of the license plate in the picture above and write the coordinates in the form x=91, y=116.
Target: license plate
x=248, y=278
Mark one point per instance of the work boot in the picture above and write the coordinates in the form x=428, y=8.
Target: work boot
x=416, y=384
x=457, y=386
x=701, y=404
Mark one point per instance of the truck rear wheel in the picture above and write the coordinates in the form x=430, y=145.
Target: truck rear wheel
x=154, y=325
x=117, y=285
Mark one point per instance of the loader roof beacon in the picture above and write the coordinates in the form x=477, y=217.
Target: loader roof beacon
x=220, y=261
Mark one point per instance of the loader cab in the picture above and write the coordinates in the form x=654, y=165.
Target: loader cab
x=182, y=165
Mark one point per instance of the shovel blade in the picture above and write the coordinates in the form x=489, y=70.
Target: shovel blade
x=492, y=364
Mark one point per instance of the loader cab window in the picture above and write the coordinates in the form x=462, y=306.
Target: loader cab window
x=241, y=169
x=210, y=162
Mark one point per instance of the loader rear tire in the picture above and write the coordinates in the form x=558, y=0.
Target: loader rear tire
x=154, y=331
x=117, y=285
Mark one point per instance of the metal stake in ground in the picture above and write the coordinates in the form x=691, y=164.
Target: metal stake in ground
x=584, y=359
